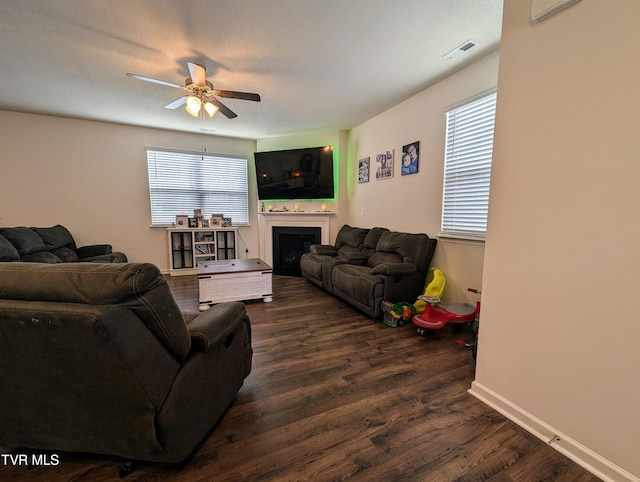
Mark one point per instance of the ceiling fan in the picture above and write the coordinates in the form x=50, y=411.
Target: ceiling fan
x=200, y=93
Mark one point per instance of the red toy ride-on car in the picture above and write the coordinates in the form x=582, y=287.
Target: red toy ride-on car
x=436, y=318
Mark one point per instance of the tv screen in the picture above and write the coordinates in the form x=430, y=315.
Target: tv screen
x=295, y=174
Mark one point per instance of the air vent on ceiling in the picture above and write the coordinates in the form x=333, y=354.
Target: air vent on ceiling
x=461, y=49
x=541, y=10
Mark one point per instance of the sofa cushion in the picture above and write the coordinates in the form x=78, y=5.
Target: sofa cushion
x=41, y=257
x=380, y=257
x=358, y=284
x=25, y=240
x=350, y=236
x=371, y=241
x=66, y=254
x=56, y=237
x=8, y=251
x=404, y=244
x=352, y=253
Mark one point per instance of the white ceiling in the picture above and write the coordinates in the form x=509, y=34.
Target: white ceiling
x=317, y=64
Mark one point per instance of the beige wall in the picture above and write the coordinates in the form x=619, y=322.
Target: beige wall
x=559, y=323
x=92, y=178
x=413, y=203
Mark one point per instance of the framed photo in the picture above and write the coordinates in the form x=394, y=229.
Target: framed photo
x=363, y=170
x=193, y=223
x=410, y=158
x=384, y=169
x=182, y=221
x=216, y=220
x=226, y=222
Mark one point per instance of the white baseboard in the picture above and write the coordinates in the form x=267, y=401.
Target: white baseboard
x=577, y=452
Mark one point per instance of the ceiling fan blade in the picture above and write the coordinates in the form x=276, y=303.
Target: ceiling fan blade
x=155, y=81
x=177, y=103
x=198, y=74
x=223, y=108
x=237, y=95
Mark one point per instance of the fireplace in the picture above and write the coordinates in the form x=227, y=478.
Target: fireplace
x=289, y=244
x=278, y=219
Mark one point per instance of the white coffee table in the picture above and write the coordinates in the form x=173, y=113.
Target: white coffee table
x=234, y=280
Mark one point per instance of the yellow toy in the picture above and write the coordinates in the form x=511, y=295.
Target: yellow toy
x=434, y=287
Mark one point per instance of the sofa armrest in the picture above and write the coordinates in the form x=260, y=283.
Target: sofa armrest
x=323, y=249
x=93, y=250
x=215, y=325
x=395, y=269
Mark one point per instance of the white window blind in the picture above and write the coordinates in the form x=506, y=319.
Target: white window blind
x=467, y=168
x=180, y=182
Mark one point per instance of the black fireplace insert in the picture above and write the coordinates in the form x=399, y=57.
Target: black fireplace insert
x=289, y=244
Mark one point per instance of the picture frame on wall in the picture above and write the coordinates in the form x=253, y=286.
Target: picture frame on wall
x=410, y=158
x=384, y=163
x=363, y=170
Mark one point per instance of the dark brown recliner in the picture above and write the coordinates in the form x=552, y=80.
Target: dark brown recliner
x=98, y=358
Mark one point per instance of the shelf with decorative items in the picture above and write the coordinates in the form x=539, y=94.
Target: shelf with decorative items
x=189, y=246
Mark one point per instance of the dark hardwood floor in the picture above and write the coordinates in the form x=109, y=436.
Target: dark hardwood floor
x=334, y=395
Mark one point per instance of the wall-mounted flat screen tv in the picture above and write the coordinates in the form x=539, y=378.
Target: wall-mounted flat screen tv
x=295, y=174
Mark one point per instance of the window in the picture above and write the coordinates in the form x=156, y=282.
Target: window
x=467, y=168
x=180, y=182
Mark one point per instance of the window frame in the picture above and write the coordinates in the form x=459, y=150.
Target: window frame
x=467, y=175
x=233, y=169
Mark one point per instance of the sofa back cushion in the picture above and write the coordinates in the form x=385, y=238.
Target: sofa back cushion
x=349, y=236
x=394, y=247
x=371, y=241
x=56, y=237
x=25, y=240
x=139, y=287
x=8, y=251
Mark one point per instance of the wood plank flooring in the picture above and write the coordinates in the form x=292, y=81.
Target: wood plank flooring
x=334, y=396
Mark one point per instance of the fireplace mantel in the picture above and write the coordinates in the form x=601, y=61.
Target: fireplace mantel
x=266, y=221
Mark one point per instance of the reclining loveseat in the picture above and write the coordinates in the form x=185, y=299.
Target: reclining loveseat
x=51, y=245
x=385, y=266
x=352, y=246
x=98, y=358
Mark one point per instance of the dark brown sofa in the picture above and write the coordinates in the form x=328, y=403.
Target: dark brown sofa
x=392, y=268
x=352, y=246
x=98, y=358
x=51, y=245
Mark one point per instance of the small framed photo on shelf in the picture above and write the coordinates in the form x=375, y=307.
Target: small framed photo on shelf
x=182, y=221
x=226, y=222
x=216, y=220
x=193, y=223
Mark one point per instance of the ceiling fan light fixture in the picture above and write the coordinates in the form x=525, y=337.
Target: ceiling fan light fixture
x=210, y=108
x=193, y=105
